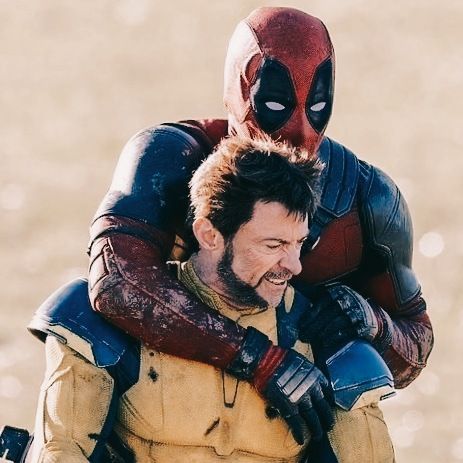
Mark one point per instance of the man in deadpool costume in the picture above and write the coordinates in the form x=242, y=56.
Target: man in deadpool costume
x=279, y=80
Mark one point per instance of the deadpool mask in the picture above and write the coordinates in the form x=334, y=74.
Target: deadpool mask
x=279, y=77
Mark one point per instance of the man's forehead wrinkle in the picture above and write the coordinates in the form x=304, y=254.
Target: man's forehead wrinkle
x=283, y=241
x=276, y=237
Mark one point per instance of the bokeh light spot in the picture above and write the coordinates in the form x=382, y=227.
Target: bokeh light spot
x=413, y=420
x=431, y=244
x=428, y=383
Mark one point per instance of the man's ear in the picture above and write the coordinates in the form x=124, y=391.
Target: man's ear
x=207, y=235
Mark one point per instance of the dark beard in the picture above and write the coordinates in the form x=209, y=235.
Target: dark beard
x=235, y=288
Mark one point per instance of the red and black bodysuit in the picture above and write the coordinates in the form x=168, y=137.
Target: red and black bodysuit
x=279, y=79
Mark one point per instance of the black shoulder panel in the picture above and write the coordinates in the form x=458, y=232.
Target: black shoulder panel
x=388, y=231
x=338, y=183
x=150, y=182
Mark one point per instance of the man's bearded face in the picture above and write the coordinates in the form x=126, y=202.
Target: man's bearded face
x=262, y=257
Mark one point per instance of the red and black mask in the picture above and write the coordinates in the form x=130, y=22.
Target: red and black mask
x=279, y=77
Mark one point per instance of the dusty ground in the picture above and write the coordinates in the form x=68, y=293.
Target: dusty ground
x=78, y=78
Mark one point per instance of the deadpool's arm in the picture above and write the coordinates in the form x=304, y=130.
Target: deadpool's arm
x=132, y=236
x=405, y=336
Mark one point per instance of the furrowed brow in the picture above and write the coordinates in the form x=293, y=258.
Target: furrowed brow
x=278, y=240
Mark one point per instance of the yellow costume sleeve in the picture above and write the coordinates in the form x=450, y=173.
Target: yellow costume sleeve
x=73, y=405
x=361, y=435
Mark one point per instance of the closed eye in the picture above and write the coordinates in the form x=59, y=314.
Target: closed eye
x=318, y=106
x=274, y=106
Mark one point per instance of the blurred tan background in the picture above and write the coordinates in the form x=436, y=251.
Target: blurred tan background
x=77, y=79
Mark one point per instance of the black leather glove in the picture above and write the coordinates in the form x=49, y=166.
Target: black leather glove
x=340, y=314
x=298, y=389
x=324, y=324
x=289, y=381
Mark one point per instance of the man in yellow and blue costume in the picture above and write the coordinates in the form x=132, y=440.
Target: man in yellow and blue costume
x=105, y=396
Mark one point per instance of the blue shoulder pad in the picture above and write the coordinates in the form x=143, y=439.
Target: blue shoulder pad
x=69, y=310
x=359, y=375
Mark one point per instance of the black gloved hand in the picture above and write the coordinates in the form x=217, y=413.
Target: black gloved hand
x=341, y=314
x=324, y=324
x=298, y=389
x=290, y=382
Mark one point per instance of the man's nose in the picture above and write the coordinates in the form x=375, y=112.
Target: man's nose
x=291, y=260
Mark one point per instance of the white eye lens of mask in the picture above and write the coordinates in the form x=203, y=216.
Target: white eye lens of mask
x=274, y=106
x=318, y=106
